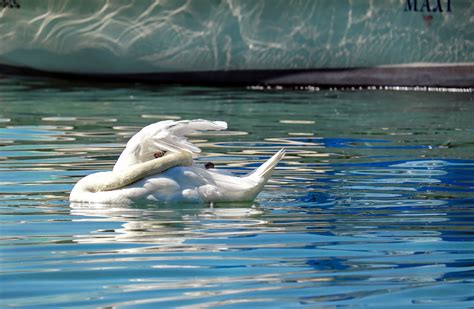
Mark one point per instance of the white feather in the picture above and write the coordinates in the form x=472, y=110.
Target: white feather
x=166, y=135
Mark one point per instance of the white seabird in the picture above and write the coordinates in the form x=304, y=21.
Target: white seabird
x=157, y=165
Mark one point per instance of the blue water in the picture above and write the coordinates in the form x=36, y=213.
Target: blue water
x=372, y=206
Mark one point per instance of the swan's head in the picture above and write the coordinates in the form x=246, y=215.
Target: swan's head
x=158, y=139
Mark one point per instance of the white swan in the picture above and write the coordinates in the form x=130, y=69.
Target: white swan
x=157, y=165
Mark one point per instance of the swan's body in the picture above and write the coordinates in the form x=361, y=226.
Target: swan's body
x=138, y=176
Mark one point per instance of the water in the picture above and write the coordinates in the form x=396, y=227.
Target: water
x=372, y=206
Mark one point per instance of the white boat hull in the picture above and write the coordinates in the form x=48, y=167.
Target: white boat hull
x=236, y=39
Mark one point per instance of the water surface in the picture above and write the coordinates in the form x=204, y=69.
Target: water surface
x=372, y=206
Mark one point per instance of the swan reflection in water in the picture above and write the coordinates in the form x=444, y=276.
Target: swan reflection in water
x=157, y=165
x=169, y=224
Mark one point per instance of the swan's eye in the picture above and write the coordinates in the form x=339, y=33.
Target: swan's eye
x=159, y=154
x=209, y=165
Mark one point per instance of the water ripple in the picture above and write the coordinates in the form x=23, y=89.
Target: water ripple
x=356, y=214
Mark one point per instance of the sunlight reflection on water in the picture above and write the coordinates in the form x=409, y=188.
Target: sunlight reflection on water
x=354, y=215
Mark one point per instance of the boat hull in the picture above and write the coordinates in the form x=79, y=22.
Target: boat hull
x=268, y=41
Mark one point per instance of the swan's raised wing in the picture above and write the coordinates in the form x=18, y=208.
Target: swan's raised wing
x=172, y=137
x=168, y=135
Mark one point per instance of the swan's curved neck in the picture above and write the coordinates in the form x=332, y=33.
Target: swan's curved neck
x=133, y=173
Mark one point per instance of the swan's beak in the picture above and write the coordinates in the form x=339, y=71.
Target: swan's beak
x=209, y=165
x=159, y=154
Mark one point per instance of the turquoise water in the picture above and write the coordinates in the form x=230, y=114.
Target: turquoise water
x=372, y=206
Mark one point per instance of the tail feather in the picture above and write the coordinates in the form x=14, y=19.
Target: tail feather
x=266, y=169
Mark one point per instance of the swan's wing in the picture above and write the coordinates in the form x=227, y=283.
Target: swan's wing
x=171, y=135
x=168, y=135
